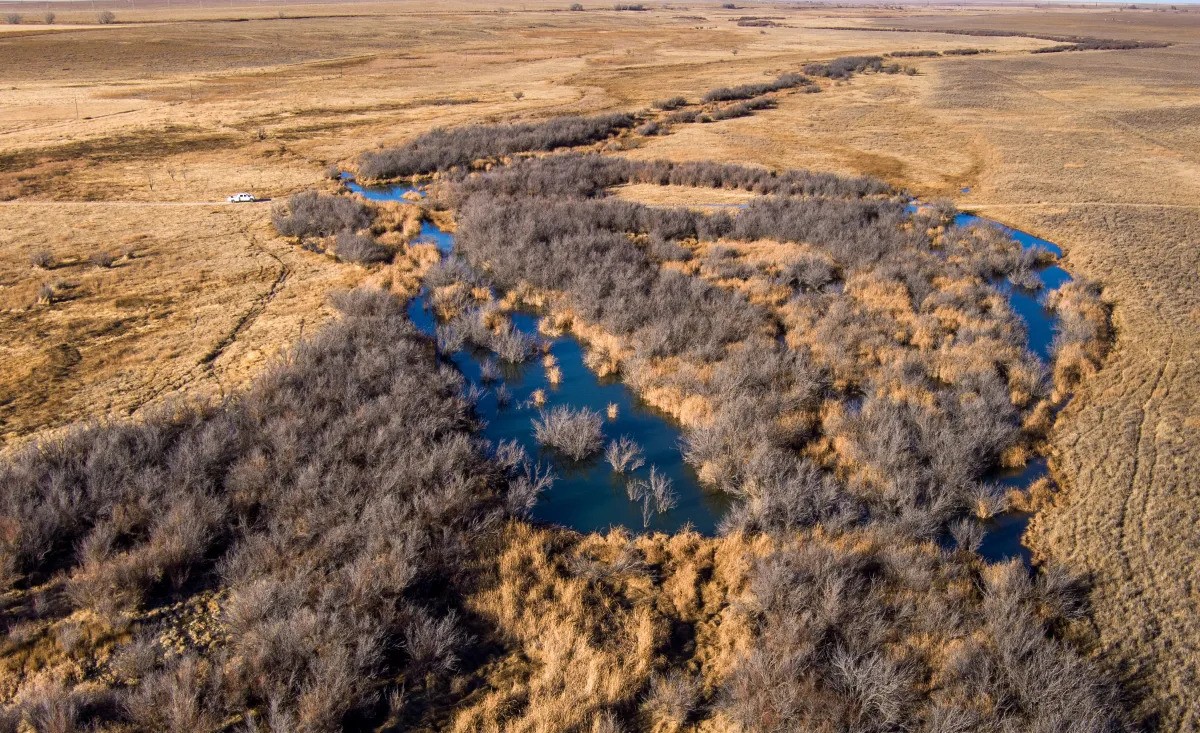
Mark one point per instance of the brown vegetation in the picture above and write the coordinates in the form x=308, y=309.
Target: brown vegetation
x=317, y=506
x=1089, y=150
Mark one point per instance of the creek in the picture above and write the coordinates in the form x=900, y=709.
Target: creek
x=587, y=495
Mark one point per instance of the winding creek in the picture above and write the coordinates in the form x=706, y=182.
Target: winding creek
x=588, y=495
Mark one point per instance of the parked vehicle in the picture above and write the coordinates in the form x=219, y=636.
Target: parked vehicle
x=241, y=198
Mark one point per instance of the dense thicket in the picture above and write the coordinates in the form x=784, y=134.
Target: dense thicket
x=749, y=91
x=742, y=109
x=441, y=149
x=580, y=175
x=883, y=316
x=317, y=507
x=847, y=66
x=313, y=214
x=1082, y=42
x=1099, y=44
x=360, y=248
x=578, y=246
x=914, y=54
x=842, y=645
x=669, y=103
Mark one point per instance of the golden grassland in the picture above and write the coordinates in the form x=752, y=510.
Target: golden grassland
x=124, y=139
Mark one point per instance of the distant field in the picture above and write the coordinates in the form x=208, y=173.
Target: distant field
x=125, y=139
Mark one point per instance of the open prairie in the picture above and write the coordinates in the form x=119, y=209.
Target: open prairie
x=128, y=283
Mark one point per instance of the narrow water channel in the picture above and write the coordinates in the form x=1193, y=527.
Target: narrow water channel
x=1002, y=540
x=588, y=495
x=1040, y=322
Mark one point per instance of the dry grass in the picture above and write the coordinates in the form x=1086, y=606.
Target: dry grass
x=146, y=123
x=689, y=196
x=586, y=622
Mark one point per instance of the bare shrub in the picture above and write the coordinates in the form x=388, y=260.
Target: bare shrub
x=135, y=660
x=361, y=249
x=49, y=18
x=670, y=103
x=527, y=480
x=606, y=722
x=46, y=294
x=489, y=371
x=101, y=259
x=684, y=116
x=106, y=17
x=665, y=250
x=655, y=493
x=432, y=644
x=577, y=433
x=660, y=489
x=1064, y=593
x=649, y=129
x=69, y=634
x=511, y=345
x=809, y=273
x=13, y=18
x=503, y=395
x=179, y=699
x=576, y=7
x=51, y=708
x=624, y=455
x=42, y=259
x=968, y=535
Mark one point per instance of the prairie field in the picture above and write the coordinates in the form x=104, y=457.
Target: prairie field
x=144, y=317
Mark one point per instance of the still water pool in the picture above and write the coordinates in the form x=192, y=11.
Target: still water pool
x=588, y=495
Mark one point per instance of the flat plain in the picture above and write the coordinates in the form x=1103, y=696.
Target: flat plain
x=121, y=141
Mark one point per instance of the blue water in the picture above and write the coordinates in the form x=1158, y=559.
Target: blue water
x=587, y=495
x=444, y=241
x=1002, y=540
